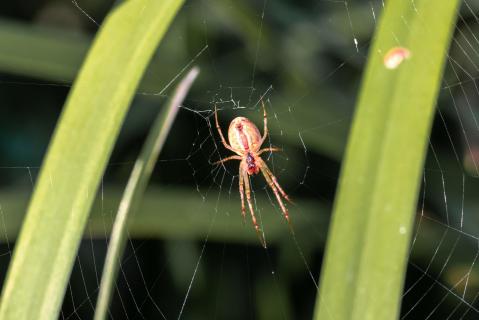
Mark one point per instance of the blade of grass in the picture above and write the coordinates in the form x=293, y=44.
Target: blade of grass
x=184, y=215
x=43, y=52
x=135, y=189
x=83, y=140
x=183, y=218
x=367, y=248
x=55, y=55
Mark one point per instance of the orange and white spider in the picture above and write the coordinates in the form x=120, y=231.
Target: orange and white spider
x=245, y=140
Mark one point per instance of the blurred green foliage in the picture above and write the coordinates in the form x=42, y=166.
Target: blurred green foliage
x=304, y=51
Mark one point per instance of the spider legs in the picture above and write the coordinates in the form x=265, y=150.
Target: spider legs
x=245, y=184
x=227, y=146
x=241, y=190
x=269, y=173
x=272, y=149
x=274, y=185
x=275, y=181
x=227, y=159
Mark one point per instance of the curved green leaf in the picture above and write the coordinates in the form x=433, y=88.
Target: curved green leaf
x=369, y=237
x=83, y=140
x=135, y=189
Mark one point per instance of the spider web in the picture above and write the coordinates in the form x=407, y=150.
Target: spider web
x=196, y=259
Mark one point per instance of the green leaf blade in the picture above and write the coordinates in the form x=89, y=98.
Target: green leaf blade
x=83, y=140
x=369, y=237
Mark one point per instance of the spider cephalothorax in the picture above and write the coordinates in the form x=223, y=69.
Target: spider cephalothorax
x=251, y=164
x=245, y=140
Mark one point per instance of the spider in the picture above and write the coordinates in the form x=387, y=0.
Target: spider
x=245, y=140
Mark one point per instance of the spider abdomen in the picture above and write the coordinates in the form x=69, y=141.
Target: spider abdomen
x=243, y=135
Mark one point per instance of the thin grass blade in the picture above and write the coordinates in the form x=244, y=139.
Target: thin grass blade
x=135, y=189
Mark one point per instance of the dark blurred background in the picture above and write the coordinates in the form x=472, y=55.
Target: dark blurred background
x=305, y=60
